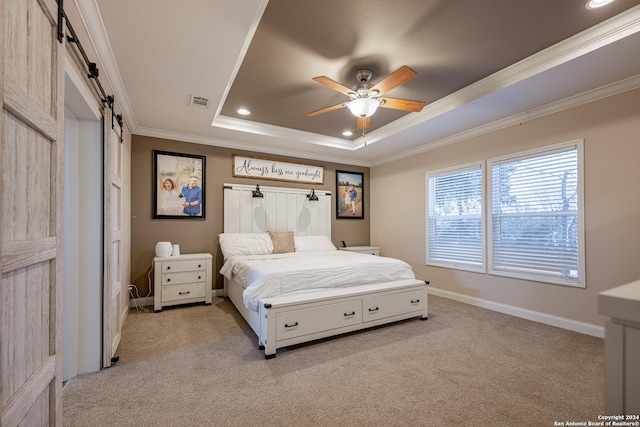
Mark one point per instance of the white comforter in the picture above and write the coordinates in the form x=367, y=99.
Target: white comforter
x=276, y=274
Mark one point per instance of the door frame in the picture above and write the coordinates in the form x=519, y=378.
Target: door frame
x=83, y=228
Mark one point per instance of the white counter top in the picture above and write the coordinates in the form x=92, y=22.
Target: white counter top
x=622, y=302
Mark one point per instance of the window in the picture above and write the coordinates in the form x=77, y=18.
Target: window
x=536, y=220
x=455, y=226
x=535, y=223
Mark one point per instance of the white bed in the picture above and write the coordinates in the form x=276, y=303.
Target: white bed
x=315, y=291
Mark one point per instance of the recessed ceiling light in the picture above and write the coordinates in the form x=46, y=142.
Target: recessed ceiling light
x=594, y=4
x=243, y=111
x=347, y=133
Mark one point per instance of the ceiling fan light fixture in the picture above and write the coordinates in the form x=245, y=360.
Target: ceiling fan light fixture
x=594, y=4
x=365, y=98
x=363, y=107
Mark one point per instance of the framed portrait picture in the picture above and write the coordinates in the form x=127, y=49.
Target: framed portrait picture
x=178, y=185
x=349, y=195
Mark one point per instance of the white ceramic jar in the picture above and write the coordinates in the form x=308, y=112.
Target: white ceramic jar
x=163, y=249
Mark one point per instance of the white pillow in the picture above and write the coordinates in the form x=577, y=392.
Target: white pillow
x=245, y=244
x=313, y=243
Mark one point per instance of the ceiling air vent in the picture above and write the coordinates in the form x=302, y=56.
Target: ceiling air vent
x=198, y=101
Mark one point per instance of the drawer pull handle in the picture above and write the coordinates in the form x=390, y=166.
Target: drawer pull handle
x=168, y=267
x=184, y=293
x=415, y=301
x=374, y=309
x=353, y=313
x=200, y=277
x=291, y=326
x=199, y=265
x=168, y=280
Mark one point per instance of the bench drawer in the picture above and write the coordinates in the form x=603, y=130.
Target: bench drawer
x=306, y=321
x=382, y=306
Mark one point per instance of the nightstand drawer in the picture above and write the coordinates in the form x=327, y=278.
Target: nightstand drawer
x=182, y=292
x=186, y=277
x=189, y=265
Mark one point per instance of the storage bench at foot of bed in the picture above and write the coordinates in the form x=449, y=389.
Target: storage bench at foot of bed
x=294, y=319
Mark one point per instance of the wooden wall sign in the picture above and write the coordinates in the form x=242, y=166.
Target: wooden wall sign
x=255, y=167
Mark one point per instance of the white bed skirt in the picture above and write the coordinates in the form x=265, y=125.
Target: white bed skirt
x=301, y=317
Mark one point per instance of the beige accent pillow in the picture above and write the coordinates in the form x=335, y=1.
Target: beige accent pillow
x=282, y=241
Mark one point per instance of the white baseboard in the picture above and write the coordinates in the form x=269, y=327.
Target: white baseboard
x=141, y=302
x=536, y=316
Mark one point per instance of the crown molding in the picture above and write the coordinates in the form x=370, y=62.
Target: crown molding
x=92, y=21
x=259, y=148
x=605, y=33
x=589, y=40
x=606, y=91
x=280, y=132
x=241, y=55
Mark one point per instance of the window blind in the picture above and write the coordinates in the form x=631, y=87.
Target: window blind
x=455, y=223
x=534, y=216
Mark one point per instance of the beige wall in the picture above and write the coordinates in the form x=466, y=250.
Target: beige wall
x=610, y=129
x=202, y=235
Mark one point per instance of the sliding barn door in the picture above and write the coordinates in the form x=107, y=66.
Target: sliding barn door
x=31, y=190
x=113, y=241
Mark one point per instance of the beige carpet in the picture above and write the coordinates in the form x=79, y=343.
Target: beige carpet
x=199, y=366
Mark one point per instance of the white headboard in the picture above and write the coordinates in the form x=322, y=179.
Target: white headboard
x=281, y=209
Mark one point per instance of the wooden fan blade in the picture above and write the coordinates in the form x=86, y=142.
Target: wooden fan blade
x=326, y=110
x=395, y=79
x=402, y=104
x=363, y=123
x=332, y=84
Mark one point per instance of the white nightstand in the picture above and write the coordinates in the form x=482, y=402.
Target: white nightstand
x=370, y=250
x=182, y=279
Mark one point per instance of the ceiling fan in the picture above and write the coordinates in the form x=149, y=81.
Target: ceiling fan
x=366, y=98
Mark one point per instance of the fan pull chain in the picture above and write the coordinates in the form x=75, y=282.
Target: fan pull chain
x=364, y=132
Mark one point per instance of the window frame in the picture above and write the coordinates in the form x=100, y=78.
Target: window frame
x=538, y=152
x=446, y=171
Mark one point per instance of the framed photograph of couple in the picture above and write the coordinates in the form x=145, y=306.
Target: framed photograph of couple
x=349, y=195
x=178, y=185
